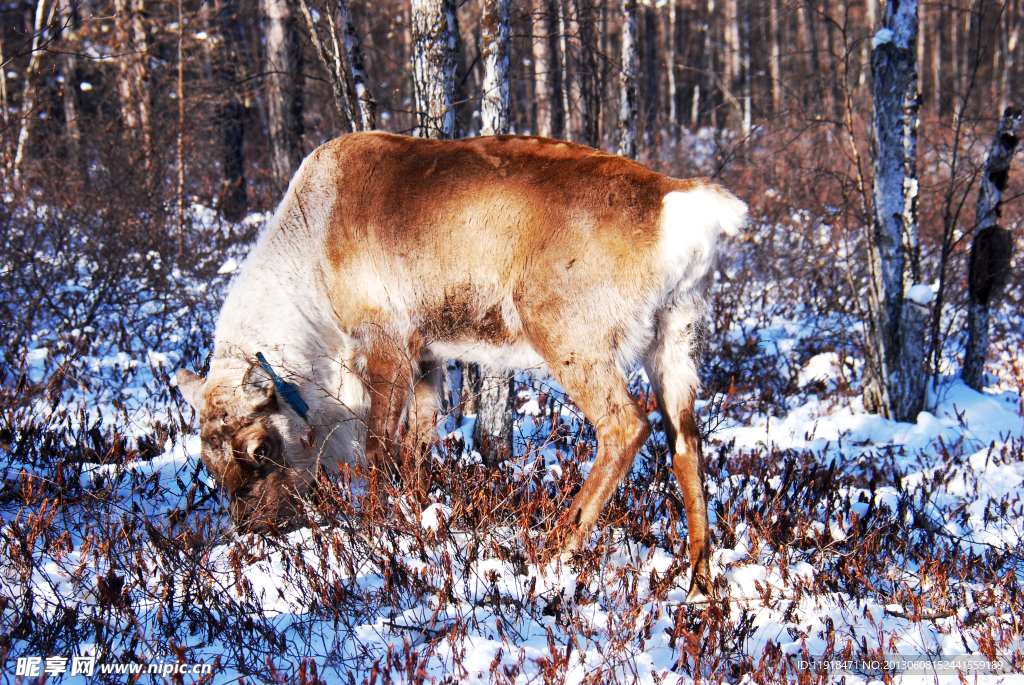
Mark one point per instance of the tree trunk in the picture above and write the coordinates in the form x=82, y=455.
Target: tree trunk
x=565, y=106
x=745, y=65
x=180, y=136
x=284, y=113
x=133, y=74
x=435, y=40
x=992, y=248
x=495, y=417
x=669, y=37
x=730, y=33
x=3, y=88
x=871, y=17
x=493, y=390
x=937, y=62
x=808, y=27
x=357, y=69
x=775, y=62
x=627, y=82
x=652, y=96
x=234, y=201
x=588, y=77
x=1009, y=47
x=494, y=49
x=332, y=59
x=707, y=66
x=69, y=89
x=895, y=379
x=28, y=93
x=546, y=74
x=954, y=55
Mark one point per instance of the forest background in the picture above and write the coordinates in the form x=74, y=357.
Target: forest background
x=143, y=145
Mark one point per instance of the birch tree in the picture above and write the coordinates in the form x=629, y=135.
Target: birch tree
x=357, y=69
x=895, y=379
x=495, y=406
x=435, y=38
x=284, y=95
x=494, y=38
x=992, y=247
x=627, y=82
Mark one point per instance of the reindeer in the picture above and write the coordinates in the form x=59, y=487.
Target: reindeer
x=389, y=255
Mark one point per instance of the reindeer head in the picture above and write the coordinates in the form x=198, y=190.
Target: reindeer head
x=252, y=443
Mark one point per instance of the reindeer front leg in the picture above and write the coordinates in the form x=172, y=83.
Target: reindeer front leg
x=389, y=377
x=421, y=436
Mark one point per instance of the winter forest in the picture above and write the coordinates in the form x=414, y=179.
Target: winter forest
x=862, y=411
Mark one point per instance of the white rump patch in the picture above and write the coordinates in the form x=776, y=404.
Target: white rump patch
x=700, y=214
x=692, y=220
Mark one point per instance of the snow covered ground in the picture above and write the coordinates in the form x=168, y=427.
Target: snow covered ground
x=838, y=535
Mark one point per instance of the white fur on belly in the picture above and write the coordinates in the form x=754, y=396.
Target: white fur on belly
x=521, y=356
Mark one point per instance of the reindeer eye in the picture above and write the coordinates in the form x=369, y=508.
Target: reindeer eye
x=262, y=451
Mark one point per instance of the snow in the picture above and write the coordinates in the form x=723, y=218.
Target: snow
x=433, y=515
x=475, y=608
x=883, y=36
x=229, y=266
x=920, y=294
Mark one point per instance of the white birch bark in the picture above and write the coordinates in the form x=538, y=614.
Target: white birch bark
x=894, y=384
x=494, y=39
x=627, y=82
x=490, y=391
x=357, y=69
x=435, y=32
x=992, y=247
x=495, y=415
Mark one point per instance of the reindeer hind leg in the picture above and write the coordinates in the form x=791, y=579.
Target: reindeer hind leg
x=671, y=366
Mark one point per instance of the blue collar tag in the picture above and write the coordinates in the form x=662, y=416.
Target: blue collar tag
x=288, y=392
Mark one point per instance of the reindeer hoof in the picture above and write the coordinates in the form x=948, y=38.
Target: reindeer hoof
x=697, y=596
x=702, y=591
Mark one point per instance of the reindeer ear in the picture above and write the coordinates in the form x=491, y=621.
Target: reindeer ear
x=258, y=387
x=191, y=388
